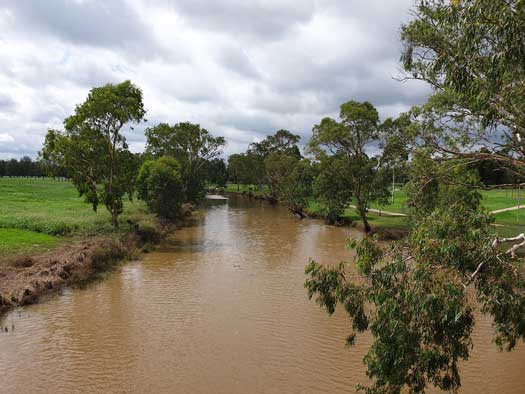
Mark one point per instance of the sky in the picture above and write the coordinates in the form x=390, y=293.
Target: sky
x=242, y=69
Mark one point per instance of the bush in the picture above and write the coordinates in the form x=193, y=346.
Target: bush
x=159, y=184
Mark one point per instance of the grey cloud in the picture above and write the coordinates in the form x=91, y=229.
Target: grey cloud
x=6, y=103
x=96, y=22
x=234, y=59
x=242, y=69
x=268, y=19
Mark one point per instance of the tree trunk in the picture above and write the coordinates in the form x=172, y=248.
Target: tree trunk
x=362, y=214
x=114, y=217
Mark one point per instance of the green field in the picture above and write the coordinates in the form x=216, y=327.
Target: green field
x=491, y=200
x=14, y=240
x=233, y=187
x=36, y=214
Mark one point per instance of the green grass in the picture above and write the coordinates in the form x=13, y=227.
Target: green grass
x=48, y=210
x=15, y=240
x=232, y=187
x=491, y=200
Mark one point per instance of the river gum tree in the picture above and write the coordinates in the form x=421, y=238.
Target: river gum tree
x=93, y=150
x=348, y=139
x=192, y=146
x=417, y=297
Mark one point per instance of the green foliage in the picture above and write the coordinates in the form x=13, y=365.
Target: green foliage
x=279, y=168
x=160, y=185
x=474, y=50
x=251, y=167
x=92, y=148
x=192, y=146
x=412, y=297
x=290, y=180
x=282, y=142
x=217, y=172
x=330, y=187
x=348, y=139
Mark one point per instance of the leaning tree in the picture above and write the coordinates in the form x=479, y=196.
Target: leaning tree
x=418, y=297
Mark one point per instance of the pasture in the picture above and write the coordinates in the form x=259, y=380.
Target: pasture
x=38, y=214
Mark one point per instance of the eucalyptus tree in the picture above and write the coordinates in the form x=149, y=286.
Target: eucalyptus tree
x=330, y=186
x=235, y=168
x=282, y=142
x=471, y=53
x=417, y=297
x=192, y=146
x=290, y=179
x=92, y=148
x=217, y=172
x=349, y=139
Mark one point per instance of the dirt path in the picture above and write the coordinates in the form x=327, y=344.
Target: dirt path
x=388, y=213
x=514, y=208
x=381, y=212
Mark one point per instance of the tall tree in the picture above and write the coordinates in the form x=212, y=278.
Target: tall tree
x=330, y=186
x=93, y=149
x=217, y=172
x=283, y=142
x=417, y=297
x=349, y=138
x=192, y=146
x=235, y=168
x=290, y=180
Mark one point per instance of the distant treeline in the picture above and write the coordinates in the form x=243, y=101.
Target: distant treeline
x=23, y=167
x=490, y=172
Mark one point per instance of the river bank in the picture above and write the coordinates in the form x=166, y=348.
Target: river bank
x=386, y=227
x=25, y=278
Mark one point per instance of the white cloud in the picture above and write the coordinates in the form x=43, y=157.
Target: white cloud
x=5, y=137
x=241, y=69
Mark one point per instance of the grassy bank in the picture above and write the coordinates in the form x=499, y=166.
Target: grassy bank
x=39, y=214
x=508, y=223
x=242, y=188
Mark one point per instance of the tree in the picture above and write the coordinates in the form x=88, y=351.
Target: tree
x=217, y=172
x=473, y=51
x=159, y=184
x=290, y=180
x=235, y=168
x=417, y=296
x=296, y=189
x=349, y=139
x=192, y=146
x=93, y=149
x=282, y=141
x=330, y=187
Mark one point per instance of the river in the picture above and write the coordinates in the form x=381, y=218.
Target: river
x=220, y=309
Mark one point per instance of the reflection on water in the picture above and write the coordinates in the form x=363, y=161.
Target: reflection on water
x=220, y=309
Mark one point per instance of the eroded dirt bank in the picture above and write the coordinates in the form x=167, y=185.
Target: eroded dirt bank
x=24, y=279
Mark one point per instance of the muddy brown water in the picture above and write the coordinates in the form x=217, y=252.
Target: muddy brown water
x=221, y=309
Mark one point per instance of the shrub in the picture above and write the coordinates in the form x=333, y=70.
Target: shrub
x=159, y=184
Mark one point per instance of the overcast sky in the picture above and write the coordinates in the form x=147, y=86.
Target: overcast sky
x=241, y=68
